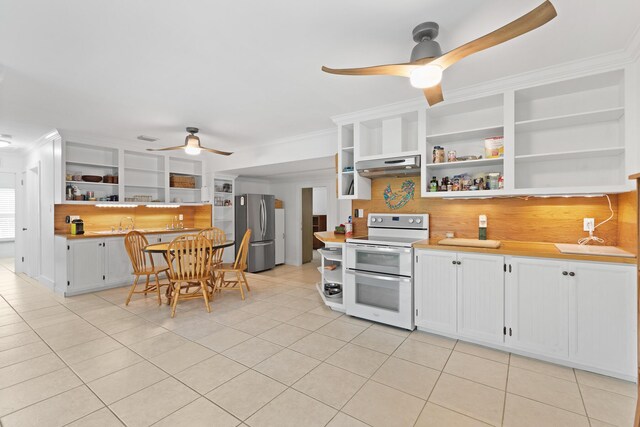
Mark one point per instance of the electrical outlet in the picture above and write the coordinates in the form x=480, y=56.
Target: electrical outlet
x=588, y=224
x=180, y=217
x=72, y=217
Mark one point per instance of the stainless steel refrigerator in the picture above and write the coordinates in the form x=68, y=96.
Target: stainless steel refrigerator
x=257, y=212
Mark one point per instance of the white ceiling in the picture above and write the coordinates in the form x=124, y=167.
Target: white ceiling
x=248, y=72
x=283, y=170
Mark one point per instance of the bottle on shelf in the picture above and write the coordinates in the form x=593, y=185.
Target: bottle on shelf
x=433, y=185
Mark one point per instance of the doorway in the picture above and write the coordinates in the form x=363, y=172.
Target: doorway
x=314, y=219
x=7, y=219
x=31, y=233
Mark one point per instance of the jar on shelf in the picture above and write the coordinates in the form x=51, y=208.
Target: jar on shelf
x=438, y=154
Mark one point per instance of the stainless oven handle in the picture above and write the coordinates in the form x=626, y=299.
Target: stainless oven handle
x=383, y=249
x=376, y=276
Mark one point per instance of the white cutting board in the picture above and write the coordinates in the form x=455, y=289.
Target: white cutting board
x=567, y=248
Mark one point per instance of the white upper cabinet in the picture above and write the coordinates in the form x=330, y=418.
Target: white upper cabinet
x=563, y=137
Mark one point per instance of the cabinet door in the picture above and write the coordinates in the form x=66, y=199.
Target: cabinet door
x=86, y=264
x=481, y=297
x=537, y=300
x=435, y=290
x=602, y=316
x=117, y=264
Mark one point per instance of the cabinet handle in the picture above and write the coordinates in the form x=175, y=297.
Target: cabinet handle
x=453, y=262
x=572, y=274
x=459, y=263
x=564, y=273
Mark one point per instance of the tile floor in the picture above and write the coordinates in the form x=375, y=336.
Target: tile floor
x=280, y=358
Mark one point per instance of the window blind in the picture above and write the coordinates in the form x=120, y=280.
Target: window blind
x=7, y=214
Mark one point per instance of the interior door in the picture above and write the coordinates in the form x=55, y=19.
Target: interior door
x=33, y=247
x=481, y=296
x=435, y=290
x=307, y=225
x=537, y=300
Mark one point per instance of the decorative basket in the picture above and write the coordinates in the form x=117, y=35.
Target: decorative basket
x=182, y=181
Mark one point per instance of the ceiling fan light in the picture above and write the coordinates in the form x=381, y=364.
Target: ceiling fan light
x=191, y=150
x=192, y=145
x=426, y=76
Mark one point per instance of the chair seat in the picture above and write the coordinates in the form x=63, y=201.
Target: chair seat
x=228, y=266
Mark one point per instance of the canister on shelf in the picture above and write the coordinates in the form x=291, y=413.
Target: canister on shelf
x=438, y=154
x=494, y=179
x=451, y=156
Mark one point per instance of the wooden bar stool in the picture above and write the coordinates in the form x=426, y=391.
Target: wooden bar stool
x=191, y=266
x=135, y=242
x=237, y=268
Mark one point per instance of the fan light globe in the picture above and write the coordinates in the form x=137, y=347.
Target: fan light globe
x=193, y=151
x=426, y=76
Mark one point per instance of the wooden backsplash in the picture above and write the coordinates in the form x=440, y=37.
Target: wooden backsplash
x=554, y=219
x=97, y=219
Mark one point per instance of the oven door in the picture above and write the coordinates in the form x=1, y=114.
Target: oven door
x=379, y=297
x=380, y=259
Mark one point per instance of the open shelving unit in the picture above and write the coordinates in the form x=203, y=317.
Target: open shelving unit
x=332, y=254
x=86, y=159
x=144, y=175
x=223, y=211
x=190, y=168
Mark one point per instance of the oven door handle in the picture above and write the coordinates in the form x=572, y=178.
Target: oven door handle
x=378, y=276
x=382, y=249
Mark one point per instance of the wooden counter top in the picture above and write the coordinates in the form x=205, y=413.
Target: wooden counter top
x=530, y=249
x=104, y=235
x=330, y=237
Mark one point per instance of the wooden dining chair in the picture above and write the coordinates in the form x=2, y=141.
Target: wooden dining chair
x=191, y=266
x=142, y=263
x=237, y=268
x=216, y=236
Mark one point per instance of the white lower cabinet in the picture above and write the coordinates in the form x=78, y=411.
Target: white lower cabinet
x=85, y=265
x=116, y=260
x=537, y=300
x=575, y=312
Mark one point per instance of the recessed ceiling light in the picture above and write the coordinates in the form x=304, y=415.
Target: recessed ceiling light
x=4, y=144
x=147, y=138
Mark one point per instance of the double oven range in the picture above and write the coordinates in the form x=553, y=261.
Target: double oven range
x=379, y=275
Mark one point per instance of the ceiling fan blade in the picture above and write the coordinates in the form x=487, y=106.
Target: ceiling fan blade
x=402, y=70
x=433, y=94
x=179, y=147
x=532, y=20
x=211, y=150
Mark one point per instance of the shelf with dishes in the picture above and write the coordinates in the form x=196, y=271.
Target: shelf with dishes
x=331, y=283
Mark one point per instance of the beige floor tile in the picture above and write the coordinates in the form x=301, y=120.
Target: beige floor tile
x=437, y=416
x=198, y=328
x=30, y=368
x=121, y=325
x=105, y=364
x=424, y=354
x=598, y=423
x=157, y=344
x=342, y=330
x=474, y=368
x=199, y=413
x=284, y=334
x=377, y=340
x=358, y=360
x=141, y=333
x=223, y=339
x=523, y=412
x=245, y=394
x=434, y=339
x=19, y=354
x=153, y=403
x=408, y=377
x=325, y=311
x=252, y=351
x=52, y=320
x=56, y=411
x=317, y=346
x=231, y=318
x=543, y=388
x=469, y=398
x=61, y=342
x=282, y=314
x=100, y=418
x=542, y=367
x=480, y=351
x=127, y=381
x=182, y=357
x=287, y=366
x=379, y=405
x=36, y=389
x=330, y=385
x=18, y=340
x=89, y=350
x=211, y=373
x=259, y=307
x=292, y=409
x=343, y=420
x=14, y=328
x=309, y=321
x=609, y=407
x=602, y=382
x=257, y=325
x=391, y=330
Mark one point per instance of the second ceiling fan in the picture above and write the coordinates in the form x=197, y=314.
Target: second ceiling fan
x=428, y=63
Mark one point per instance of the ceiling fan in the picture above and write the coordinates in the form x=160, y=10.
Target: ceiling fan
x=428, y=63
x=191, y=145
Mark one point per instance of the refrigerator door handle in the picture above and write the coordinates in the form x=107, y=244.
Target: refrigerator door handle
x=264, y=216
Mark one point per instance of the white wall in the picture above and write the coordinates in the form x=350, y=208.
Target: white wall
x=252, y=186
x=319, y=200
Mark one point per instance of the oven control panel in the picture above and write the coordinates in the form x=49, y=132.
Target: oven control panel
x=406, y=221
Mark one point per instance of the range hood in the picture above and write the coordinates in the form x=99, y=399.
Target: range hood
x=393, y=166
